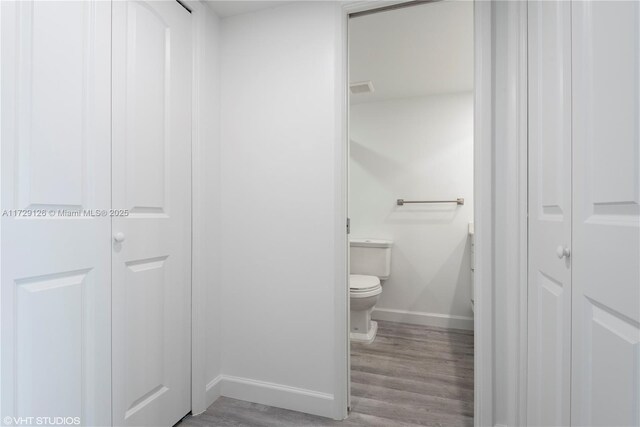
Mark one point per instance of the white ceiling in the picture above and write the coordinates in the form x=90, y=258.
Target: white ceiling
x=415, y=51
x=228, y=8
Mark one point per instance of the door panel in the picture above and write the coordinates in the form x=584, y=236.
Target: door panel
x=606, y=215
x=148, y=102
x=56, y=274
x=549, y=285
x=151, y=179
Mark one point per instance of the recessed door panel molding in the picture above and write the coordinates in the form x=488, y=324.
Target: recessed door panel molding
x=55, y=270
x=151, y=265
x=548, y=364
x=148, y=80
x=606, y=214
x=612, y=346
x=606, y=38
x=550, y=114
x=549, y=284
x=55, y=64
x=50, y=318
x=145, y=285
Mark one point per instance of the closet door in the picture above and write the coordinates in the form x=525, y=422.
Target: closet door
x=55, y=286
x=549, y=284
x=152, y=245
x=606, y=214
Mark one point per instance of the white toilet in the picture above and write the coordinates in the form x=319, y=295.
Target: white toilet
x=370, y=263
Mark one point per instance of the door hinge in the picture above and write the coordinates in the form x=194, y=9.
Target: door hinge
x=348, y=225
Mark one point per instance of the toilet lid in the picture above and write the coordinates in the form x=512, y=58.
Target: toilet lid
x=361, y=282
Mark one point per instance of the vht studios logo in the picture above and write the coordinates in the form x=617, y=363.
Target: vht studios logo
x=41, y=421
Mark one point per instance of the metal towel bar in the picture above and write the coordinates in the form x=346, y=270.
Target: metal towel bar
x=459, y=201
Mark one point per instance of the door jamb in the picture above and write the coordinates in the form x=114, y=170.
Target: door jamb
x=509, y=139
x=483, y=211
x=200, y=396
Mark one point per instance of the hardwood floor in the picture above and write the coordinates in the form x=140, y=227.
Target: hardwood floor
x=409, y=376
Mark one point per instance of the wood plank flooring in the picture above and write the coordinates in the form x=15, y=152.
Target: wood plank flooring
x=409, y=376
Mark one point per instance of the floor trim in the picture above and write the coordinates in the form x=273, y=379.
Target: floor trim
x=213, y=390
x=422, y=318
x=409, y=375
x=277, y=395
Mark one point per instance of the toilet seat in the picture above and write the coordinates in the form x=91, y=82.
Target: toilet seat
x=361, y=282
x=362, y=286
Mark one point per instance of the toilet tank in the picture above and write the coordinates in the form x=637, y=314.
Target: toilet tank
x=371, y=257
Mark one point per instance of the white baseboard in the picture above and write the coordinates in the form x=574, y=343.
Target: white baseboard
x=213, y=390
x=422, y=318
x=278, y=395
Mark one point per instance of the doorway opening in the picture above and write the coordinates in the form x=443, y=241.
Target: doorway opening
x=410, y=205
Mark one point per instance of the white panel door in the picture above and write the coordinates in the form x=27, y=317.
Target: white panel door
x=152, y=180
x=56, y=269
x=549, y=284
x=606, y=214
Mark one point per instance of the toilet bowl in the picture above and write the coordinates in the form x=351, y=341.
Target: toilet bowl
x=370, y=263
x=364, y=293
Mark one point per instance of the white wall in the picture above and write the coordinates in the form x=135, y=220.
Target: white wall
x=422, y=149
x=280, y=130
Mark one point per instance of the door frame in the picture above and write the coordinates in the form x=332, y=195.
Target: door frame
x=483, y=166
x=509, y=109
x=200, y=396
x=198, y=291
x=500, y=150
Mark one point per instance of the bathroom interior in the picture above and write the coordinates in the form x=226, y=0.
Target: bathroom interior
x=411, y=212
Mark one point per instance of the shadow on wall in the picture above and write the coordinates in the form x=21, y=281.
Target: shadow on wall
x=386, y=172
x=381, y=168
x=457, y=266
x=462, y=283
x=455, y=344
x=414, y=214
x=459, y=260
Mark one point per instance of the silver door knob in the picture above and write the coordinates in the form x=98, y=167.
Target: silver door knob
x=562, y=252
x=119, y=237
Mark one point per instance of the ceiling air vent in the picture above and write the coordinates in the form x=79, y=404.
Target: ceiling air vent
x=358, y=88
